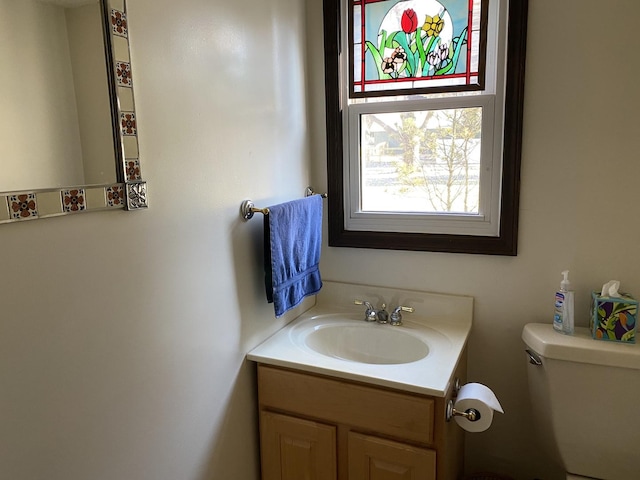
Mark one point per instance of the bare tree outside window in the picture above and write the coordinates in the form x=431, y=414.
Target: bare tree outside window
x=424, y=161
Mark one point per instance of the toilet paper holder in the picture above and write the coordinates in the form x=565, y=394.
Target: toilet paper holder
x=470, y=414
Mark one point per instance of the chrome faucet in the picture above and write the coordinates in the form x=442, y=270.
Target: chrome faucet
x=383, y=315
x=396, y=315
x=370, y=314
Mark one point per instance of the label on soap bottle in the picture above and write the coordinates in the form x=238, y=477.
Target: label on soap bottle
x=559, y=308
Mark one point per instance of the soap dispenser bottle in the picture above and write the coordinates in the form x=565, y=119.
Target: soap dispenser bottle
x=563, y=316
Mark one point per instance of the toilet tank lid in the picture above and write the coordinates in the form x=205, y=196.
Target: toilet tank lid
x=541, y=338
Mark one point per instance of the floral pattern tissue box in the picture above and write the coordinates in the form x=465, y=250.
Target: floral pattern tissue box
x=614, y=318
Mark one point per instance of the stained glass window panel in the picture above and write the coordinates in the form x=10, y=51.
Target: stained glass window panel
x=401, y=47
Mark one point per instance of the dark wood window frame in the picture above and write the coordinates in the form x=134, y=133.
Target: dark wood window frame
x=503, y=244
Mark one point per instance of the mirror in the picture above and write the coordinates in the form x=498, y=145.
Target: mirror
x=68, y=123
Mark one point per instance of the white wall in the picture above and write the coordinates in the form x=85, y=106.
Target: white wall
x=122, y=335
x=579, y=209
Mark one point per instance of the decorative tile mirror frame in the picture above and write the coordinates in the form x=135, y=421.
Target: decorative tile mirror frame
x=129, y=191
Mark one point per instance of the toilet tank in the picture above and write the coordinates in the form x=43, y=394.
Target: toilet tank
x=585, y=396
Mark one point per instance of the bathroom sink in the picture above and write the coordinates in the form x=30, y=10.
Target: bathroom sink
x=333, y=339
x=366, y=343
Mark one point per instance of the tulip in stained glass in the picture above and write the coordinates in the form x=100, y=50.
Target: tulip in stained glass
x=417, y=46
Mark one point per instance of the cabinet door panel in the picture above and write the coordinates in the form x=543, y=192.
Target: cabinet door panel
x=296, y=449
x=372, y=458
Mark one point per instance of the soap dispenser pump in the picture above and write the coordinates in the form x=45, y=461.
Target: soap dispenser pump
x=563, y=316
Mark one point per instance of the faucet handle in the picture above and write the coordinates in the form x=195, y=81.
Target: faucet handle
x=370, y=313
x=396, y=316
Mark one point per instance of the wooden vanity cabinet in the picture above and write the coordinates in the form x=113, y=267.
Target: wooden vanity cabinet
x=314, y=427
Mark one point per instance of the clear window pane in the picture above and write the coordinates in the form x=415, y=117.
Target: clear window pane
x=422, y=161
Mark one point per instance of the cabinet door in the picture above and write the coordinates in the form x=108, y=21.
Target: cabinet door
x=372, y=458
x=296, y=449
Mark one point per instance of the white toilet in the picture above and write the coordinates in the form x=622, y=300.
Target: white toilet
x=585, y=396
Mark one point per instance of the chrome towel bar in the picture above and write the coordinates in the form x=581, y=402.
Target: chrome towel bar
x=248, y=208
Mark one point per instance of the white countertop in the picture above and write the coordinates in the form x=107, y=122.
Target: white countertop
x=441, y=321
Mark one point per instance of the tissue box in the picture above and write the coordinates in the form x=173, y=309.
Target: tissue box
x=614, y=318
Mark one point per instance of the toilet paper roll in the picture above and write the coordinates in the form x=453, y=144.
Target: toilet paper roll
x=481, y=398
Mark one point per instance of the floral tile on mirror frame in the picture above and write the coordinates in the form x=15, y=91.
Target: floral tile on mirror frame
x=123, y=74
x=132, y=170
x=22, y=206
x=119, y=23
x=128, y=123
x=116, y=196
x=73, y=200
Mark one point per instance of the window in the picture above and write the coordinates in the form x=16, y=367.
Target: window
x=424, y=119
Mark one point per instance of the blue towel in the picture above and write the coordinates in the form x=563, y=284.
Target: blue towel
x=292, y=241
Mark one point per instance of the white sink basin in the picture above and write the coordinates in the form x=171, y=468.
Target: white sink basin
x=346, y=339
x=366, y=343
